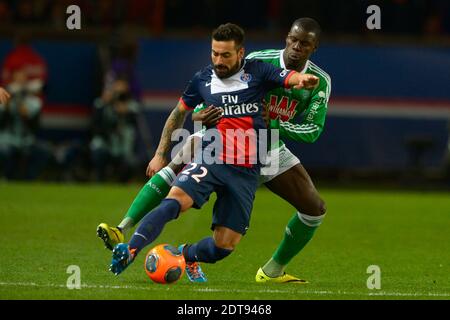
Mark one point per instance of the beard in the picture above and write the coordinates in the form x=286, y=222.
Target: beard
x=223, y=71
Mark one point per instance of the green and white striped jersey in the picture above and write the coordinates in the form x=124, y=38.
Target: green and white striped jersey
x=299, y=114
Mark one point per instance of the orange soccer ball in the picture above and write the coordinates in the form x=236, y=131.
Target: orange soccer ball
x=164, y=264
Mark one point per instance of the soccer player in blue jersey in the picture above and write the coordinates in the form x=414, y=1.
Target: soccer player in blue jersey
x=237, y=86
x=299, y=115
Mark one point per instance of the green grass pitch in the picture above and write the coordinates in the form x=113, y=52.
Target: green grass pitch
x=45, y=228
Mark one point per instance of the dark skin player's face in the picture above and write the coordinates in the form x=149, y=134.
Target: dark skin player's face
x=226, y=58
x=300, y=45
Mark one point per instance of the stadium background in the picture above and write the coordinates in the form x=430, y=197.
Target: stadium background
x=387, y=127
x=389, y=109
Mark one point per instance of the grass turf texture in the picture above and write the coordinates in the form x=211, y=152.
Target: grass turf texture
x=46, y=228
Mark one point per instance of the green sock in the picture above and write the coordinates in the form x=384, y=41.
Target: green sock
x=150, y=196
x=299, y=231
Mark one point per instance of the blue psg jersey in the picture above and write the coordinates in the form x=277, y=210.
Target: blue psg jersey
x=240, y=96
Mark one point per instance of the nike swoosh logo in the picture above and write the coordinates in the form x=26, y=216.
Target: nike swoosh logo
x=141, y=235
x=207, y=84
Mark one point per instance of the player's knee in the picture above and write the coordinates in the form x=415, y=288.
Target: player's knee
x=182, y=197
x=319, y=208
x=176, y=168
x=313, y=205
x=226, y=238
x=322, y=207
x=226, y=244
x=185, y=204
x=227, y=241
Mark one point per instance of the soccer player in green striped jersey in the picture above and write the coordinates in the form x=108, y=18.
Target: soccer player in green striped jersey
x=300, y=116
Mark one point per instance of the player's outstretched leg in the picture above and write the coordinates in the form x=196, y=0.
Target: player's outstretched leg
x=146, y=233
x=296, y=187
x=159, y=185
x=147, y=199
x=150, y=196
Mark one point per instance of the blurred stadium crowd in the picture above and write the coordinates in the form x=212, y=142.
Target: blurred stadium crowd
x=399, y=16
x=25, y=155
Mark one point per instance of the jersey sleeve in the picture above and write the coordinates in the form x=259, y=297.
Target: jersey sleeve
x=276, y=77
x=191, y=96
x=313, y=120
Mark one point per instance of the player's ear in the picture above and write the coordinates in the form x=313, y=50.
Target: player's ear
x=241, y=53
x=316, y=46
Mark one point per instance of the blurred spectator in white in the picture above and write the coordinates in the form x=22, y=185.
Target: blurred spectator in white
x=114, y=132
x=22, y=156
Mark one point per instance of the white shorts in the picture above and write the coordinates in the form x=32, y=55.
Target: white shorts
x=279, y=161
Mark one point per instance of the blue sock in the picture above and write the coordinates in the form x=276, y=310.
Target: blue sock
x=153, y=223
x=205, y=251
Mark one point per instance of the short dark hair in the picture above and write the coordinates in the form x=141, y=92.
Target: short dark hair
x=229, y=32
x=308, y=25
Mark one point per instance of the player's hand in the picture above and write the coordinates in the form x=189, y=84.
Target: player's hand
x=4, y=96
x=209, y=116
x=157, y=163
x=307, y=81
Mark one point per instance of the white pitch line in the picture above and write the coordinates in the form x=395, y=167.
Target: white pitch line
x=168, y=288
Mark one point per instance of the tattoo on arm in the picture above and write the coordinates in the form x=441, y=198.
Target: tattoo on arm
x=174, y=121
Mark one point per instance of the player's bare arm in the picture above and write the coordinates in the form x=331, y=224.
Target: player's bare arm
x=209, y=117
x=4, y=96
x=303, y=81
x=174, y=121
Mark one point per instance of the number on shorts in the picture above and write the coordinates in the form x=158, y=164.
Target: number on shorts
x=188, y=170
x=197, y=176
